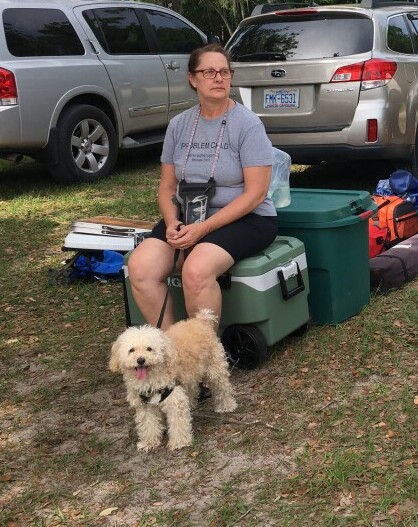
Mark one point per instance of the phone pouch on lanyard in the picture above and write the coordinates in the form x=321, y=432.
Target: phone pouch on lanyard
x=195, y=198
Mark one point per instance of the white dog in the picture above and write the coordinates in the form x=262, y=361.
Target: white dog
x=162, y=372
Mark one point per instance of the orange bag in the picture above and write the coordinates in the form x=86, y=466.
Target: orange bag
x=378, y=238
x=396, y=215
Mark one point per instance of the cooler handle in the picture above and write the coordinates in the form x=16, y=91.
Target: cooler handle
x=358, y=210
x=366, y=214
x=286, y=294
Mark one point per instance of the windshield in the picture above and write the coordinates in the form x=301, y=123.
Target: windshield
x=294, y=38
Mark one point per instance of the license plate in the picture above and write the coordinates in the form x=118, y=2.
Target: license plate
x=283, y=98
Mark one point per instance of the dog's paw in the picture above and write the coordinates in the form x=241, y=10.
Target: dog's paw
x=176, y=445
x=226, y=406
x=146, y=447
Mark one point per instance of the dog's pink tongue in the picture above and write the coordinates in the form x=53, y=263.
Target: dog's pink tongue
x=141, y=373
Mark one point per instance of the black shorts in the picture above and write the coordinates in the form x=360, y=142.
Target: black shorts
x=242, y=238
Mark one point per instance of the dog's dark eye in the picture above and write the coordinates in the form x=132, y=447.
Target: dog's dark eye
x=131, y=350
x=149, y=348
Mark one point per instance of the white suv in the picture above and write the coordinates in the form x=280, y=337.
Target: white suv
x=80, y=79
x=332, y=82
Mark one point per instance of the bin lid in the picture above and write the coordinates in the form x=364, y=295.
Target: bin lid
x=325, y=206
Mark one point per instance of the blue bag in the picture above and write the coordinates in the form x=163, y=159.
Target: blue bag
x=104, y=267
x=81, y=268
x=383, y=188
x=413, y=198
x=110, y=265
x=403, y=182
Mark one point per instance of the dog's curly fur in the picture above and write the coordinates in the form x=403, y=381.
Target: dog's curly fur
x=151, y=361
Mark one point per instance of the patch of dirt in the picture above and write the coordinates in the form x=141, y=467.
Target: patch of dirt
x=190, y=480
x=69, y=440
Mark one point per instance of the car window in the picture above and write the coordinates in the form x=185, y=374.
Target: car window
x=40, y=33
x=294, y=38
x=118, y=30
x=413, y=18
x=173, y=34
x=398, y=36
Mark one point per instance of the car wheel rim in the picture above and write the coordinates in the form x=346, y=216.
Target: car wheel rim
x=89, y=145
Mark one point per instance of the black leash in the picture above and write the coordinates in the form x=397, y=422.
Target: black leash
x=160, y=319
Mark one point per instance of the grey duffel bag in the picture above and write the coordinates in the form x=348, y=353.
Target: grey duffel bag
x=396, y=266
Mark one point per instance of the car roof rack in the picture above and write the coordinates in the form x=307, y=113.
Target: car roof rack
x=268, y=8
x=374, y=4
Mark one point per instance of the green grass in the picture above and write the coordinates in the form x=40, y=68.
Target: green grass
x=325, y=433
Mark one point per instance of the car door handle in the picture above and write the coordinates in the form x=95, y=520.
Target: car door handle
x=173, y=65
x=93, y=47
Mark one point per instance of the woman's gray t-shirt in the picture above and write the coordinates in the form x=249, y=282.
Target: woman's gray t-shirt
x=244, y=144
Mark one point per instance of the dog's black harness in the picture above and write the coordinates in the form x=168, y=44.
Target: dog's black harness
x=164, y=393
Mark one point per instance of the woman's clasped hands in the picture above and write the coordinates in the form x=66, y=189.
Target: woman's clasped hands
x=182, y=236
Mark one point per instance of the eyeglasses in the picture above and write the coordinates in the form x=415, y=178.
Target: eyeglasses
x=211, y=73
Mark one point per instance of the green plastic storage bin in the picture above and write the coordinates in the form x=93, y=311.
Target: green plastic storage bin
x=333, y=225
x=264, y=299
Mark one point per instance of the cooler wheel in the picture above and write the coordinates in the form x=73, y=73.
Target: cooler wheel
x=245, y=346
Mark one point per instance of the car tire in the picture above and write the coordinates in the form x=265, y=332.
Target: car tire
x=87, y=146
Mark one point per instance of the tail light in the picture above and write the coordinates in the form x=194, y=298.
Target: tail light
x=371, y=130
x=373, y=73
x=8, y=90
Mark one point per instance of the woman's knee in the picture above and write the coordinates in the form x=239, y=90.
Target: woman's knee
x=196, y=277
x=136, y=266
x=142, y=266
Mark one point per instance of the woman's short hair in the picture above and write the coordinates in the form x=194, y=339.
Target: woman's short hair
x=195, y=56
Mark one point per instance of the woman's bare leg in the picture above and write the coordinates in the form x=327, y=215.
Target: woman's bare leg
x=149, y=266
x=201, y=268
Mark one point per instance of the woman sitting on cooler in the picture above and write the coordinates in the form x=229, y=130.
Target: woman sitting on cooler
x=216, y=140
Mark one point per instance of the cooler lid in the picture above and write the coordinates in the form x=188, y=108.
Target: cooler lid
x=282, y=250
x=319, y=206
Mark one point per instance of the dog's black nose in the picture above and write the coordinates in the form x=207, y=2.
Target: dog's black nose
x=140, y=361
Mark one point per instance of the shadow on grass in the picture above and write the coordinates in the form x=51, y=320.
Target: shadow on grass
x=30, y=177
x=341, y=175
x=25, y=234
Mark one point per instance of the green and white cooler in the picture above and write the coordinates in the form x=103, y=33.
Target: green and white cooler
x=264, y=299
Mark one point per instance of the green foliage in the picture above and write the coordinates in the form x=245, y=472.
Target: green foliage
x=217, y=17
x=221, y=17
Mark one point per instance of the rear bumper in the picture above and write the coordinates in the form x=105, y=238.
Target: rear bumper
x=10, y=133
x=308, y=154
x=12, y=140
x=9, y=149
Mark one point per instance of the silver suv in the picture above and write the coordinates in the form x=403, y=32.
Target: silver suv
x=81, y=79
x=332, y=83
